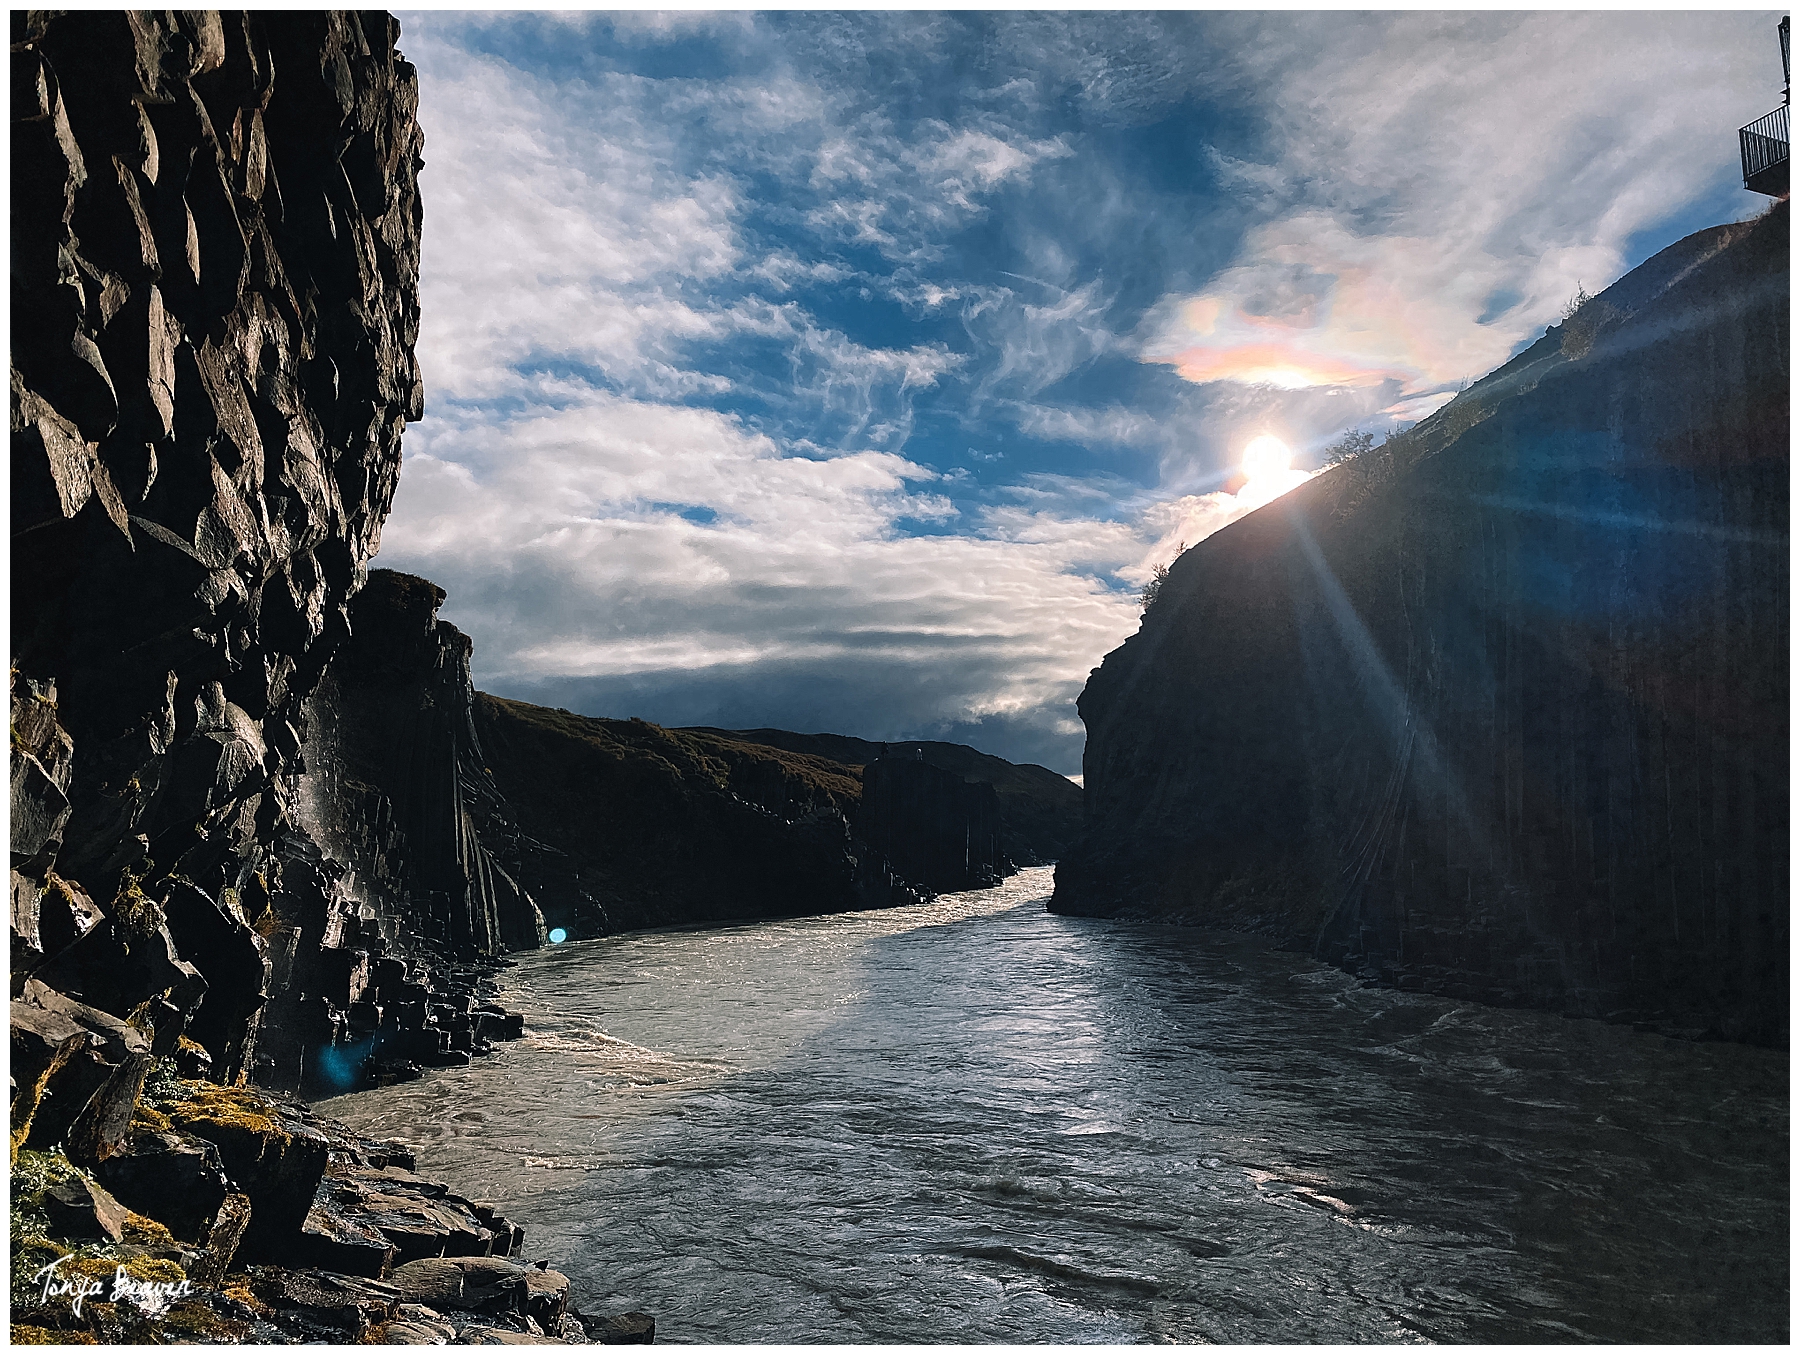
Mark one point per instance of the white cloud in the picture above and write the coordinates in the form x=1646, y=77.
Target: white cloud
x=547, y=532
x=604, y=255
x=1429, y=165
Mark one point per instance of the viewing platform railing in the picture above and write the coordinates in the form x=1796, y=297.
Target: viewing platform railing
x=1764, y=144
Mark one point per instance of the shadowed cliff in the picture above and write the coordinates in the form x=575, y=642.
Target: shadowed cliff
x=631, y=825
x=1497, y=710
x=215, y=229
x=1040, y=812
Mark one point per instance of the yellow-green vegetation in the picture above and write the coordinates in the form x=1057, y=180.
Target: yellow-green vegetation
x=33, y=1173
x=144, y=1231
x=192, y=1321
x=33, y=1249
x=137, y=912
x=205, y=1105
x=55, y=884
x=24, y=1334
x=149, y=1119
x=244, y=1295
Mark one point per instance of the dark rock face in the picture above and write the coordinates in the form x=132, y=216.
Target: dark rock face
x=396, y=788
x=215, y=260
x=173, y=1177
x=624, y=824
x=934, y=827
x=1040, y=811
x=78, y=1074
x=1499, y=710
x=215, y=227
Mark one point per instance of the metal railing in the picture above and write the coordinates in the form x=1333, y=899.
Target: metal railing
x=1764, y=143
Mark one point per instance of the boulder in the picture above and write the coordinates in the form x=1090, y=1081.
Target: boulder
x=173, y=1177
x=435, y=1282
x=222, y=1239
x=87, y=1102
x=343, y=1303
x=502, y=1336
x=42, y=1043
x=417, y=1218
x=333, y=1238
x=546, y=1297
x=485, y=1284
x=411, y=1331
x=270, y=1150
x=82, y=1211
x=622, y=1329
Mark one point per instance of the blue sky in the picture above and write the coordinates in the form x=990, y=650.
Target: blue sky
x=852, y=372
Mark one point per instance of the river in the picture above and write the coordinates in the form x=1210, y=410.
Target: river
x=975, y=1121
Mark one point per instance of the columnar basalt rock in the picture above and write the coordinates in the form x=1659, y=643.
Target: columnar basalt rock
x=936, y=828
x=1499, y=710
x=215, y=299
x=215, y=225
x=396, y=787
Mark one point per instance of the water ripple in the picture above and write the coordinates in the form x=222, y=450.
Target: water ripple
x=974, y=1121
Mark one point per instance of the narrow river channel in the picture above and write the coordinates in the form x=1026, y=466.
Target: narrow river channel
x=974, y=1121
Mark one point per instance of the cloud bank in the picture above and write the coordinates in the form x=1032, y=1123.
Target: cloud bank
x=852, y=372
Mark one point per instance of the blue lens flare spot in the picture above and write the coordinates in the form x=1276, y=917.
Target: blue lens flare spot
x=558, y=936
x=340, y=1066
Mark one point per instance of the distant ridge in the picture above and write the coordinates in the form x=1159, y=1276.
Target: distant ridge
x=1040, y=811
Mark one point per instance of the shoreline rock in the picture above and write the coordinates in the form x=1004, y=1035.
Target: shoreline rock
x=244, y=1217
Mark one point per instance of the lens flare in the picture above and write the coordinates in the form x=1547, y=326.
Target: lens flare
x=558, y=936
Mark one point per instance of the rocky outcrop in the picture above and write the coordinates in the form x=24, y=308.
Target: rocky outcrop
x=395, y=787
x=215, y=257
x=623, y=824
x=215, y=227
x=935, y=828
x=262, y=1221
x=1498, y=710
x=1040, y=811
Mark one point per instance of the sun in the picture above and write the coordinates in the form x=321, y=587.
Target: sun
x=1267, y=458
x=1268, y=465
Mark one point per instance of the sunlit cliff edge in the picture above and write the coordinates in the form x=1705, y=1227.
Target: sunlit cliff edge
x=1497, y=710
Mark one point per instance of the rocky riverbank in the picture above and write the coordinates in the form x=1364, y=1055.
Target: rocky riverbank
x=226, y=1214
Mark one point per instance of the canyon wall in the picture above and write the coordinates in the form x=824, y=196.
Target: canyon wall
x=1498, y=710
x=215, y=227
x=624, y=824
x=395, y=787
x=936, y=829
x=1040, y=811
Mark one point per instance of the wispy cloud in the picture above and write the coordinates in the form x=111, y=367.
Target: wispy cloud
x=855, y=370
x=1439, y=185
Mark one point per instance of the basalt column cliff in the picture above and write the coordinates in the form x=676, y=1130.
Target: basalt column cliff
x=215, y=225
x=1498, y=710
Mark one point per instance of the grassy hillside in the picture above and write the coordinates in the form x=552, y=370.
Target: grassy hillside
x=1040, y=811
x=627, y=824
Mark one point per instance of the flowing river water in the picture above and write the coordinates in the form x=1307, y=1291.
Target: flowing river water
x=974, y=1121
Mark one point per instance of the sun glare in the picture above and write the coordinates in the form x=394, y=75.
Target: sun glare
x=1269, y=472
x=1267, y=457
